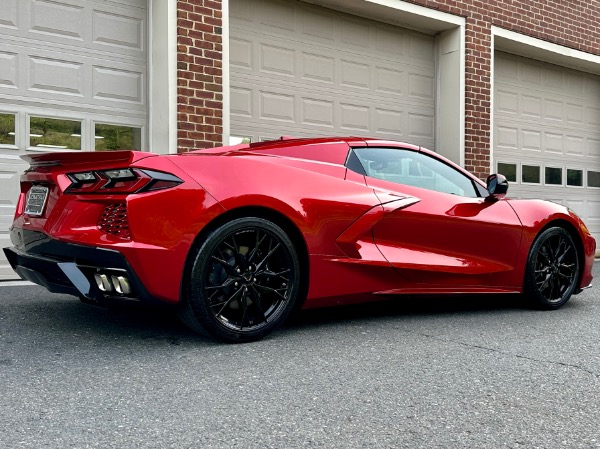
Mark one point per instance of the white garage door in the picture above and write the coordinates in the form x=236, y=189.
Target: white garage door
x=547, y=134
x=303, y=70
x=72, y=77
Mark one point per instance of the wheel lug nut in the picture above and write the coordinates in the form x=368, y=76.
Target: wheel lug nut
x=238, y=270
x=254, y=280
x=236, y=284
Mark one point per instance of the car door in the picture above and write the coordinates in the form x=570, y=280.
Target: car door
x=452, y=238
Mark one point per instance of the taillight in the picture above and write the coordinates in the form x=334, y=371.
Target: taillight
x=120, y=180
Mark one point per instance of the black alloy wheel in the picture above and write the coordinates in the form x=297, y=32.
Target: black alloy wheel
x=552, y=269
x=244, y=281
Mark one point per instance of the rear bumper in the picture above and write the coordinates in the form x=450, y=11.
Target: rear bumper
x=73, y=269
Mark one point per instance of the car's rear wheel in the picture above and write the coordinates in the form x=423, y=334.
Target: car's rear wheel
x=244, y=281
x=552, y=269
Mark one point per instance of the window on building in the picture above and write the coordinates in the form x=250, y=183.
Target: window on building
x=593, y=178
x=508, y=170
x=553, y=176
x=7, y=129
x=54, y=133
x=530, y=174
x=574, y=177
x=116, y=137
x=236, y=140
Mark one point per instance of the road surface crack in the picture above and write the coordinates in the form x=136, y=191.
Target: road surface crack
x=498, y=351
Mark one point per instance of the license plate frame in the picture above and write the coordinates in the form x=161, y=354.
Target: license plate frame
x=36, y=200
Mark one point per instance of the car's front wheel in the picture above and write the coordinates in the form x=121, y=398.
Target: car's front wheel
x=552, y=269
x=244, y=281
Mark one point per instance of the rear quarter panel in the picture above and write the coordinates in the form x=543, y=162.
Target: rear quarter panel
x=317, y=199
x=320, y=203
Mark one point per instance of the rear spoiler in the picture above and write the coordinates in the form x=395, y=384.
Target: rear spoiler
x=85, y=157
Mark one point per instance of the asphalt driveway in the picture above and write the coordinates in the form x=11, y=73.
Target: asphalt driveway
x=480, y=372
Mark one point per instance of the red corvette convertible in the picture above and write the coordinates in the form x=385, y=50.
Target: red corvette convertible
x=238, y=237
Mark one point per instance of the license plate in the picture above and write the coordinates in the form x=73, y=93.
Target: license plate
x=36, y=200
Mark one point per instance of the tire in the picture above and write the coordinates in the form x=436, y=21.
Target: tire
x=552, y=269
x=243, y=283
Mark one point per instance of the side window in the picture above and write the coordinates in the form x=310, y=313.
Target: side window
x=416, y=169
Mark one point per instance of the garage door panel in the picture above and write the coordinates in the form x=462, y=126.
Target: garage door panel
x=574, y=113
x=278, y=106
x=553, y=78
x=122, y=85
x=529, y=107
x=117, y=27
x=246, y=41
x=11, y=167
x=507, y=102
x=318, y=24
x=241, y=101
x=277, y=60
x=77, y=79
x=6, y=271
x=417, y=55
x=317, y=112
x=8, y=69
x=553, y=110
x=344, y=71
x=392, y=122
x=574, y=146
x=547, y=116
x=295, y=83
x=553, y=143
x=594, y=209
x=531, y=140
x=593, y=116
x=420, y=127
x=576, y=205
x=276, y=14
x=390, y=81
x=78, y=60
x=526, y=131
x=317, y=67
x=354, y=117
x=421, y=86
x=593, y=148
x=48, y=75
x=350, y=123
x=322, y=90
x=389, y=41
x=354, y=74
x=8, y=14
x=354, y=32
x=124, y=33
x=321, y=111
x=421, y=47
x=58, y=19
x=240, y=53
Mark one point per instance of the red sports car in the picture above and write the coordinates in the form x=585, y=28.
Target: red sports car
x=238, y=237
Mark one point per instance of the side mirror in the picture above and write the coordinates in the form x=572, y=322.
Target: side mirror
x=497, y=185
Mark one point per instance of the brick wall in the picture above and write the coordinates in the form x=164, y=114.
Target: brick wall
x=199, y=74
x=572, y=23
